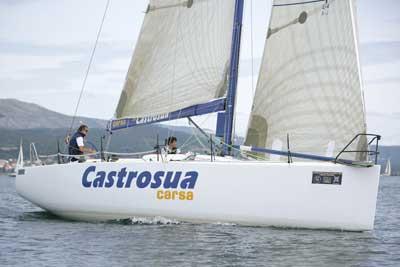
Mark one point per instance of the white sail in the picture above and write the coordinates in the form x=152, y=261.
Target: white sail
x=20, y=160
x=181, y=57
x=310, y=83
x=388, y=169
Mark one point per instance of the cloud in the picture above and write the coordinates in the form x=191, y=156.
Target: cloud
x=246, y=64
x=15, y=66
x=13, y=2
x=71, y=22
x=378, y=21
x=387, y=125
x=384, y=72
x=391, y=116
x=382, y=81
x=380, y=52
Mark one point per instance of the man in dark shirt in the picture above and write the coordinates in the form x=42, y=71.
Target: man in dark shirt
x=171, y=145
x=76, y=145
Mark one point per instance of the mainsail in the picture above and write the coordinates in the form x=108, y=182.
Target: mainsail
x=309, y=85
x=181, y=60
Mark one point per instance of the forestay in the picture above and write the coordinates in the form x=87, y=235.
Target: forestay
x=181, y=59
x=309, y=84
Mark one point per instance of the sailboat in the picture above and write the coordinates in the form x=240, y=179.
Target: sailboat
x=19, y=166
x=305, y=160
x=388, y=169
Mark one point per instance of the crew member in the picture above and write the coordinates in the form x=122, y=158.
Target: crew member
x=76, y=145
x=171, y=145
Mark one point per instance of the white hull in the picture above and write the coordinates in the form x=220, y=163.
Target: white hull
x=243, y=192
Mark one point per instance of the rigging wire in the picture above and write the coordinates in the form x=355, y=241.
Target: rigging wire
x=189, y=139
x=88, y=69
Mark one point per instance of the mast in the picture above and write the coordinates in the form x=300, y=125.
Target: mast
x=233, y=75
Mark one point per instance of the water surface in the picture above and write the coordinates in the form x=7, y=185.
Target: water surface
x=30, y=236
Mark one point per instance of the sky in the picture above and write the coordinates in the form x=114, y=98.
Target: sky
x=45, y=47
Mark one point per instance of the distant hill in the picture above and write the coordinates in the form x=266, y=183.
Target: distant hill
x=16, y=114
x=33, y=123
x=137, y=139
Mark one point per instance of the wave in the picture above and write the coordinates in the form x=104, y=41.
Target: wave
x=157, y=220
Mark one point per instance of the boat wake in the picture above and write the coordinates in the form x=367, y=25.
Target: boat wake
x=158, y=220
x=38, y=215
x=224, y=224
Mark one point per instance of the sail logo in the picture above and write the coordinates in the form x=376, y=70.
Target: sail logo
x=171, y=185
x=152, y=118
x=119, y=123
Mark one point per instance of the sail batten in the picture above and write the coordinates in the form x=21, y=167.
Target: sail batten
x=309, y=85
x=187, y=3
x=297, y=3
x=181, y=59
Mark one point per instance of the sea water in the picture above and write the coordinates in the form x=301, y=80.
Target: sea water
x=30, y=236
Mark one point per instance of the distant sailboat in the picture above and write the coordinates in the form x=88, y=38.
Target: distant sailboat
x=19, y=166
x=308, y=106
x=388, y=169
